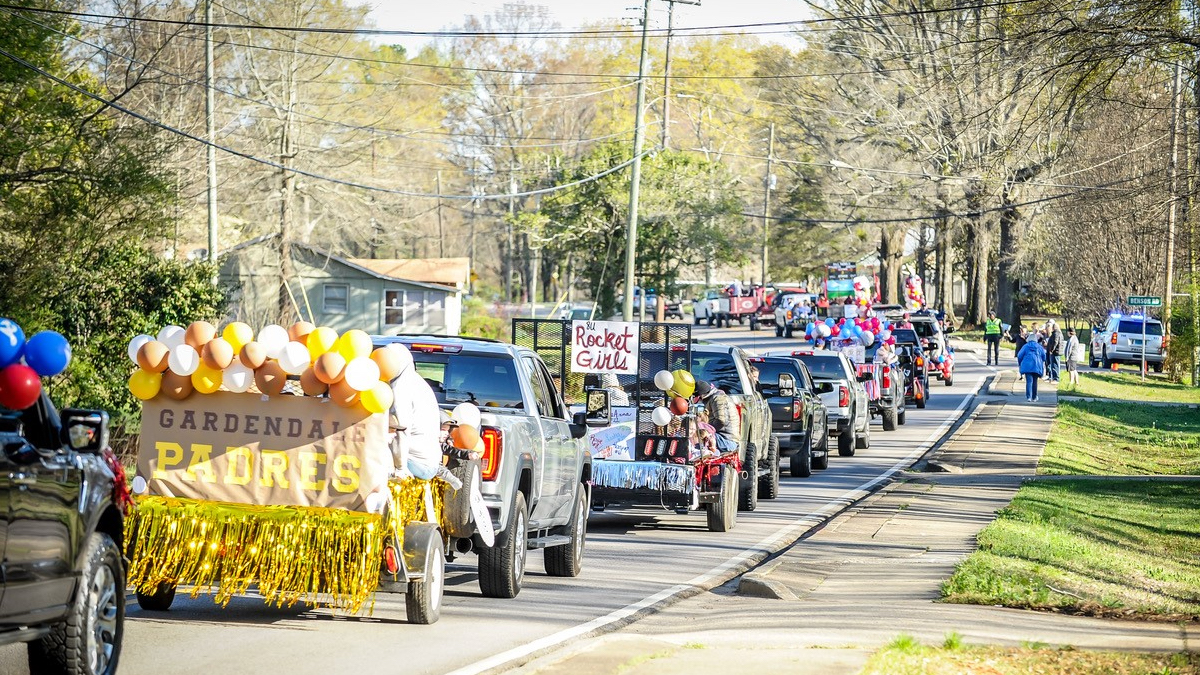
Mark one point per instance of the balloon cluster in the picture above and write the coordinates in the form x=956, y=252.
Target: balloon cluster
x=914, y=292
x=23, y=363
x=862, y=293
x=465, y=435
x=179, y=361
x=678, y=385
x=866, y=331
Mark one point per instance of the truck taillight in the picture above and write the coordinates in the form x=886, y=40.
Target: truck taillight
x=920, y=361
x=1113, y=340
x=493, y=445
x=789, y=315
x=797, y=408
x=887, y=377
x=843, y=397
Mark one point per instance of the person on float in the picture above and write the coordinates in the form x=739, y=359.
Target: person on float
x=415, y=419
x=722, y=414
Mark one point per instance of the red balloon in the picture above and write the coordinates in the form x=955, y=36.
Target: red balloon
x=20, y=387
x=835, y=330
x=679, y=405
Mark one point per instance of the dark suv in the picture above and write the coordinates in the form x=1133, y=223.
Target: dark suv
x=63, y=574
x=798, y=417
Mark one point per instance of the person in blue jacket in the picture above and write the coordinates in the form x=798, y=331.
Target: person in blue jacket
x=1032, y=361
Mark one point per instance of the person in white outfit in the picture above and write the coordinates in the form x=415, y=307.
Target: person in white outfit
x=416, y=421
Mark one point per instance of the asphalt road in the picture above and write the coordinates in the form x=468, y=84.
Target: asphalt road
x=632, y=560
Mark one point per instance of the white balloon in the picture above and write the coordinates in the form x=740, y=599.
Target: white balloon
x=183, y=360
x=274, y=338
x=237, y=377
x=135, y=344
x=661, y=416
x=294, y=358
x=867, y=338
x=885, y=334
x=664, y=380
x=362, y=373
x=467, y=413
x=139, y=485
x=171, y=336
x=824, y=330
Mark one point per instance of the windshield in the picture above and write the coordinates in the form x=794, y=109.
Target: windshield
x=768, y=371
x=905, y=336
x=925, y=328
x=824, y=366
x=718, y=370
x=1152, y=327
x=486, y=381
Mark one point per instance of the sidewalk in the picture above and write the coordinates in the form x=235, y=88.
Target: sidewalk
x=826, y=603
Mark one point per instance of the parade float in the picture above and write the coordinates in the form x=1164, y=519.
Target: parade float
x=655, y=451
x=265, y=465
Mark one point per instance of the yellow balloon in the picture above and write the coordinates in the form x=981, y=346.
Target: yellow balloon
x=377, y=399
x=683, y=383
x=238, y=334
x=145, y=384
x=354, y=344
x=206, y=380
x=320, y=341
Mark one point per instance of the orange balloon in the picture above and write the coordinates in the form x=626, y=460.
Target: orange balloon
x=175, y=386
x=388, y=361
x=152, y=356
x=299, y=332
x=330, y=367
x=311, y=385
x=253, y=355
x=343, y=394
x=217, y=354
x=464, y=437
x=199, y=334
x=270, y=379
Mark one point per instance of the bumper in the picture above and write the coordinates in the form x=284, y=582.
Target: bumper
x=789, y=439
x=838, y=423
x=1134, y=356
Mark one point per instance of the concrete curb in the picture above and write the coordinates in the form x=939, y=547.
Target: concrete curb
x=757, y=583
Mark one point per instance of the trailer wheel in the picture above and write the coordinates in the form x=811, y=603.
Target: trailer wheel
x=423, y=599
x=768, y=486
x=722, y=515
x=159, y=600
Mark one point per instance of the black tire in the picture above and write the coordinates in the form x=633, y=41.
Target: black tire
x=800, y=463
x=949, y=381
x=748, y=490
x=88, y=641
x=847, y=442
x=822, y=462
x=1158, y=367
x=459, y=521
x=1105, y=360
x=423, y=599
x=722, y=515
x=768, y=486
x=924, y=397
x=753, y=323
x=502, y=567
x=741, y=321
x=889, y=419
x=787, y=332
x=567, y=560
x=1093, y=362
x=159, y=600
x=900, y=416
x=863, y=441
x=710, y=320
x=778, y=331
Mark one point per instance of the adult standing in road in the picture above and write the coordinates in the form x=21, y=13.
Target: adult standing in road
x=1073, y=353
x=1032, y=362
x=1054, y=349
x=991, y=335
x=722, y=414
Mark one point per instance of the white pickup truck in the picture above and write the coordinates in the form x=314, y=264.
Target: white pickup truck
x=536, y=466
x=841, y=390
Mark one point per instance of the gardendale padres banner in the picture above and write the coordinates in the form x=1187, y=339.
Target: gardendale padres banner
x=250, y=449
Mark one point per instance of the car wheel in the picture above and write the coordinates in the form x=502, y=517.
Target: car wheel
x=697, y=321
x=158, y=600
x=847, y=443
x=423, y=599
x=900, y=415
x=567, y=560
x=502, y=567
x=457, y=509
x=778, y=331
x=722, y=515
x=1092, y=360
x=1105, y=360
x=88, y=641
x=889, y=419
x=748, y=493
x=821, y=458
x=863, y=441
x=1158, y=367
x=768, y=485
x=753, y=324
x=801, y=462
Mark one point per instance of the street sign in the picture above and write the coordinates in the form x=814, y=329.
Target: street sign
x=1145, y=300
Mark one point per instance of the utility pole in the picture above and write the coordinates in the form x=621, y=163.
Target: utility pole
x=1173, y=187
x=441, y=232
x=666, y=128
x=471, y=241
x=287, y=189
x=768, y=185
x=210, y=131
x=509, y=258
x=636, y=172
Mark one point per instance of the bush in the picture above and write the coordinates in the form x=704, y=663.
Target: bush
x=478, y=320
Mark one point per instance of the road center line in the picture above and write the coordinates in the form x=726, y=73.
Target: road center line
x=785, y=535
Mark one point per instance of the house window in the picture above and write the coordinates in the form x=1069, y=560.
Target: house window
x=337, y=298
x=414, y=308
x=394, y=306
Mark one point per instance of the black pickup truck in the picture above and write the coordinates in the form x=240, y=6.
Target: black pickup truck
x=60, y=533
x=796, y=412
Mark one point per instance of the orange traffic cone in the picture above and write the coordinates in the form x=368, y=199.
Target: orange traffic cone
x=1114, y=367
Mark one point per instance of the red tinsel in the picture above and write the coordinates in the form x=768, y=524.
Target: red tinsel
x=121, y=495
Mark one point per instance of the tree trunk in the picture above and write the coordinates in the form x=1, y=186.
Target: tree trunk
x=1007, y=283
x=891, y=257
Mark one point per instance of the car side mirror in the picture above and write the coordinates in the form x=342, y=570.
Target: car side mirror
x=85, y=430
x=598, y=408
x=823, y=387
x=787, y=385
x=948, y=330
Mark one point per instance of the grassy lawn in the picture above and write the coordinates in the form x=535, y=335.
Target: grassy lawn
x=904, y=656
x=1127, y=385
x=1116, y=548
x=1120, y=438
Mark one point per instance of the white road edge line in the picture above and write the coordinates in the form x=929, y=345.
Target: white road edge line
x=762, y=548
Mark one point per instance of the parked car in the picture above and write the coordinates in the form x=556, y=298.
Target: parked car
x=840, y=389
x=728, y=368
x=799, y=420
x=1119, y=340
x=536, y=463
x=64, y=573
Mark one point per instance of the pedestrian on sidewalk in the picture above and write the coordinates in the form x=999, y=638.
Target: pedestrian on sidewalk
x=1032, y=361
x=991, y=335
x=1019, y=337
x=1054, y=349
x=1073, y=351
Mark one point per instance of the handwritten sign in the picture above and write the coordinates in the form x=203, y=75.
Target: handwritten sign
x=604, y=347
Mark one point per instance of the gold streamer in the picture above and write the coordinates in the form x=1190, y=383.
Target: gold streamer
x=319, y=556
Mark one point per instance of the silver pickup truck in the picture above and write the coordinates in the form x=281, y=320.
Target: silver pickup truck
x=536, y=466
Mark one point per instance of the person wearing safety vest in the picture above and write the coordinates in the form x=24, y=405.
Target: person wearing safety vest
x=991, y=335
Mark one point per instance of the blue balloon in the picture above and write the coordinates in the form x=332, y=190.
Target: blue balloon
x=48, y=353
x=808, y=330
x=12, y=342
x=829, y=322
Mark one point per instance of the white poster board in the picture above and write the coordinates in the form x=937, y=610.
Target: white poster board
x=604, y=347
x=616, y=441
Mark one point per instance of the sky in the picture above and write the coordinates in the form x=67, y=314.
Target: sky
x=427, y=15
